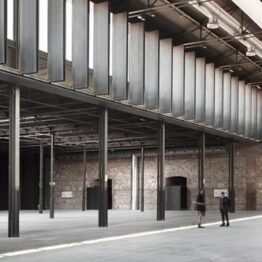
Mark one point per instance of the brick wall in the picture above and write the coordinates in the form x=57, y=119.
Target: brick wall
x=248, y=178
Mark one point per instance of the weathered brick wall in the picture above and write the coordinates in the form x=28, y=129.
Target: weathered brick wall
x=248, y=178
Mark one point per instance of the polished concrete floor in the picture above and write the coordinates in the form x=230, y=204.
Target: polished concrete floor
x=132, y=236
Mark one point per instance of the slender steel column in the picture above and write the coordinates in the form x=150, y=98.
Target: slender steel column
x=231, y=188
x=84, y=183
x=14, y=163
x=201, y=161
x=41, y=184
x=52, y=183
x=103, y=145
x=161, y=175
x=142, y=160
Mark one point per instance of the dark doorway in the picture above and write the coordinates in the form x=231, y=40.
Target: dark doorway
x=176, y=193
x=92, y=195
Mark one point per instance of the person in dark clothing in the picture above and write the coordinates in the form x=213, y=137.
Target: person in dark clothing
x=224, y=204
x=200, y=207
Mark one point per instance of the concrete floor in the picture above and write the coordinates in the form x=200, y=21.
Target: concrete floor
x=172, y=240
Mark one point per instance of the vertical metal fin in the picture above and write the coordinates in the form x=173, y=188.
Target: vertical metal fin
x=234, y=104
x=259, y=115
x=56, y=40
x=152, y=69
x=178, y=81
x=254, y=112
x=190, y=86
x=210, y=94
x=241, y=108
x=226, y=100
x=101, y=48
x=200, y=89
x=3, y=30
x=120, y=55
x=248, y=100
x=218, y=98
x=165, y=76
x=80, y=43
x=136, y=63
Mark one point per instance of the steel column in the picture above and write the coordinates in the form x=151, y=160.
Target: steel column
x=14, y=163
x=142, y=160
x=201, y=161
x=134, y=183
x=161, y=175
x=52, y=183
x=231, y=189
x=41, y=184
x=103, y=145
x=3, y=30
x=84, y=182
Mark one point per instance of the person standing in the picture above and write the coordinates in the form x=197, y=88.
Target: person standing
x=224, y=204
x=200, y=207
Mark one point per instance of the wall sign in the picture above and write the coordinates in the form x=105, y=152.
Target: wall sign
x=217, y=192
x=67, y=194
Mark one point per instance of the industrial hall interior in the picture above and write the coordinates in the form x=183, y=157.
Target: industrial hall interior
x=116, y=116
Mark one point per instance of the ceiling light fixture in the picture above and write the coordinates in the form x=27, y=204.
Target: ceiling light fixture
x=251, y=51
x=141, y=18
x=213, y=22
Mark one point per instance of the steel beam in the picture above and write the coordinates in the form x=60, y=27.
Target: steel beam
x=28, y=36
x=200, y=89
x=210, y=94
x=152, y=69
x=241, y=108
x=51, y=182
x=218, y=98
x=190, y=86
x=165, y=75
x=201, y=161
x=14, y=163
x=178, y=81
x=103, y=177
x=56, y=40
x=41, y=177
x=136, y=63
x=234, y=104
x=120, y=56
x=226, y=101
x=84, y=182
x=101, y=48
x=3, y=30
x=161, y=175
x=231, y=189
x=142, y=174
x=80, y=36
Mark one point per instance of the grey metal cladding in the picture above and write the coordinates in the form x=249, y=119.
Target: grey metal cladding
x=234, y=104
x=56, y=40
x=178, y=81
x=165, y=76
x=28, y=36
x=200, y=89
x=241, y=108
x=218, y=98
x=248, y=110
x=226, y=100
x=101, y=48
x=3, y=30
x=190, y=86
x=136, y=63
x=253, y=112
x=259, y=115
x=210, y=94
x=119, y=56
x=80, y=36
x=152, y=69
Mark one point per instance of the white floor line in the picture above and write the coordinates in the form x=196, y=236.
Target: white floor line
x=107, y=239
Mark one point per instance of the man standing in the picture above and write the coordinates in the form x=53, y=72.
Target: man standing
x=200, y=207
x=224, y=204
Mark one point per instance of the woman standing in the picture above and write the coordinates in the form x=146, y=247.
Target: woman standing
x=200, y=207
